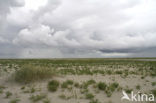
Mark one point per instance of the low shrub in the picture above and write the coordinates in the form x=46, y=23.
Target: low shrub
x=53, y=85
x=102, y=85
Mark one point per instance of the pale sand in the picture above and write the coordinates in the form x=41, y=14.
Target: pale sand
x=41, y=87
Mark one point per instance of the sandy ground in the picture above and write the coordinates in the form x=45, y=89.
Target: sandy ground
x=41, y=88
x=131, y=81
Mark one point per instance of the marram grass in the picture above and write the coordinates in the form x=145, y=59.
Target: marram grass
x=31, y=73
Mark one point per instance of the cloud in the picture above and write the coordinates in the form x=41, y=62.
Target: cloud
x=84, y=28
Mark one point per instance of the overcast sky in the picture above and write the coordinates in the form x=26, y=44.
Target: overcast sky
x=77, y=28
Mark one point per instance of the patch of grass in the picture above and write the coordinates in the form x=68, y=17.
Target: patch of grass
x=94, y=101
x=91, y=81
x=8, y=94
x=84, y=91
x=89, y=96
x=113, y=86
x=46, y=101
x=153, y=83
x=138, y=87
x=102, y=86
x=14, y=101
x=128, y=90
x=30, y=73
x=108, y=93
x=1, y=88
x=67, y=83
x=36, y=98
x=154, y=92
x=53, y=85
x=29, y=90
x=22, y=87
x=87, y=83
x=62, y=96
x=77, y=85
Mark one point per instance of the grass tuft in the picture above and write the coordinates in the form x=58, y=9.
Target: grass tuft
x=102, y=85
x=36, y=98
x=30, y=73
x=53, y=85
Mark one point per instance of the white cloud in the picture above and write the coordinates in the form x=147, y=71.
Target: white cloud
x=85, y=27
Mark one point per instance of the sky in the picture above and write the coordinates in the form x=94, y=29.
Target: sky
x=77, y=28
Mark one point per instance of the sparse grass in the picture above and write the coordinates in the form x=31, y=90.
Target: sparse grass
x=153, y=83
x=14, y=101
x=128, y=90
x=46, y=101
x=138, y=87
x=30, y=73
x=94, y=101
x=89, y=96
x=62, y=96
x=53, y=85
x=36, y=98
x=29, y=90
x=154, y=92
x=22, y=88
x=8, y=94
x=87, y=83
x=31, y=70
x=66, y=83
x=1, y=89
x=113, y=86
x=77, y=85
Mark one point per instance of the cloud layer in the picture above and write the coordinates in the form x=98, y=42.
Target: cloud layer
x=78, y=28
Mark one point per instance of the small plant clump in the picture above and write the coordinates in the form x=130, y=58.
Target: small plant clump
x=53, y=85
x=1, y=88
x=8, y=94
x=89, y=96
x=138, y=87
x=36, y=98
x=14, y=101
x=102, y=86
x=153, y=83
x=46, y=101
x=154, y=92
x=62, y=96
x=94, y=101
x=128, y=90
x=67, y=83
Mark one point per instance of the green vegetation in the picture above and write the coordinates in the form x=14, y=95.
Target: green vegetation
x=94, y=101
x=36, y=98
x=46, y=101
x=128, y=90
x=62, y=96
x=153, y=83
x=8, y=94
x=89, y=96
x=53, y=85
x=30, y=73
x=154, y=92
x=138, y=87
x=67, y=83
x=31, y=70
x=14, y=101
x=102, y=85
x=1, y=89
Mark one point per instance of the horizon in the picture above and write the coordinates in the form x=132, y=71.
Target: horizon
x=77, y=29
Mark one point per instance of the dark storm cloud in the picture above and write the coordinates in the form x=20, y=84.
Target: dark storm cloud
x=78, y=28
